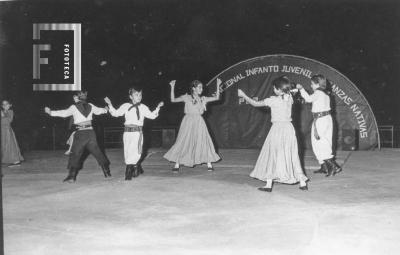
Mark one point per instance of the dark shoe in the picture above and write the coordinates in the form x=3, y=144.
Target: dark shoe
x=329, y=168
x=175, y=170
x=128, y=172
x=304, y=188
x=106, y=171
x=71, y=176
x=70, y=179
x=140, y=169
x=322, y=170
x=265, y=189
x=135, y=171
x=337, y=168
x=333, y=167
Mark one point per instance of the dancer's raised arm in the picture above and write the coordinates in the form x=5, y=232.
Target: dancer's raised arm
x=152, y=114
x=307, y=97
x=116, y=112
x=173, y=99
x=217, y=93
x=250, y=100
x=108, y=102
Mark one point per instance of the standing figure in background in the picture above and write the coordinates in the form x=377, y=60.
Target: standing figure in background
x=322, y=126
x=135, y=112
x=279, y=157
x=10, y=152
x=85, y=137
x=71, y=127
x=193, y=145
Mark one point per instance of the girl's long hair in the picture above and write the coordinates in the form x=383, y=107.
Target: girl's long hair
x=193, y=85
x=283, y=84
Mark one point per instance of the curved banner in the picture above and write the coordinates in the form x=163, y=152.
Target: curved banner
x=235, y=124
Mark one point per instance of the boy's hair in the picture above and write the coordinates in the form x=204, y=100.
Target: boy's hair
x=282, y=83
x=133, y=90
x=81, y=94
x=320, y=80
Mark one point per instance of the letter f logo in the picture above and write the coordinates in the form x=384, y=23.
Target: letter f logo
x=53, y=76
x=37, y=48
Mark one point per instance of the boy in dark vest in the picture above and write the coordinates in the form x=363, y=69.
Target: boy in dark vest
x=85, y=137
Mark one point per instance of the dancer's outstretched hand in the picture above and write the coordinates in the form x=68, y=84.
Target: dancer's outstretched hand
x=160, y=104
x=299, y=86
x=219, y=81
x=47, y=110
x=172, y=83
x=107, y=100
x=241, y=93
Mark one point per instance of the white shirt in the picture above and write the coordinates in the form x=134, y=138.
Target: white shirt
x=131, y=116
x=77, y=115
x=281, y=108
x=320, y=101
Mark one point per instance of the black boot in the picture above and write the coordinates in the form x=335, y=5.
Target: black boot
x=128, y=172
x=135, y=171
x=106, y=171
x=322, y=170
x=333, y=167
x=140, y=168
x=336, y=168
x=329, y=168
x=71, y=176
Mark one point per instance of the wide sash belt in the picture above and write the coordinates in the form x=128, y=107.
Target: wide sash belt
x=83, y=125
x=135, y=128
x=317, y=115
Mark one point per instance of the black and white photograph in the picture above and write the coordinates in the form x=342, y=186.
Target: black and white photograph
x=180, y=127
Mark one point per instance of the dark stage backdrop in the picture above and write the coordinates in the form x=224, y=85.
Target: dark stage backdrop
x=235, y=124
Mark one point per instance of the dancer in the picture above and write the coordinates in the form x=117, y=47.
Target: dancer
x=10, y=153
x=322, y=126
x=193, y=145
x=279, y=158
x=134, y=113
x=85, y=137
x=70, y=126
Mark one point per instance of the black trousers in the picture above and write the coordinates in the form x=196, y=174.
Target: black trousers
x=85, y=140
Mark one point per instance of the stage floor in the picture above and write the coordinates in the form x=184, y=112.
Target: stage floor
x=198, y=212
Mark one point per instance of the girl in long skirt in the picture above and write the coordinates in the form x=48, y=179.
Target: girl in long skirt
x=9, y=147
x=279, y=158
x=193, y=145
